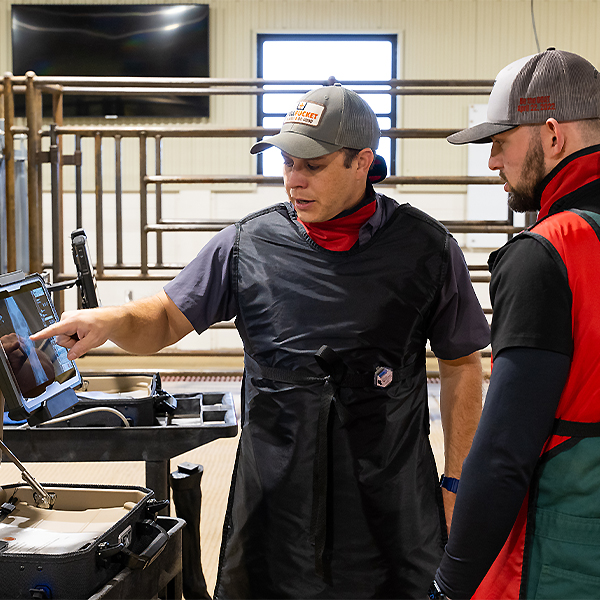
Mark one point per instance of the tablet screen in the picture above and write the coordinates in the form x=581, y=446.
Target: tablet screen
x=38, y=370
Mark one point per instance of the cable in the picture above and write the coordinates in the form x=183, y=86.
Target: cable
x=537, y=43
x=87, y=411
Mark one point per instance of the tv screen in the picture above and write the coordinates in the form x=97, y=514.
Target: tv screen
x=124, y=40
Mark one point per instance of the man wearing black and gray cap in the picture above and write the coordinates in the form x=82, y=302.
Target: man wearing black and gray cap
x=335, y=492
x=527, y=512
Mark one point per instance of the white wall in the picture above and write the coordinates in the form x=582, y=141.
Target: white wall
x=440, y=39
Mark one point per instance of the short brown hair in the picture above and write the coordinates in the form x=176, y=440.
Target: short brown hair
x=590, y=130
x=349, y=155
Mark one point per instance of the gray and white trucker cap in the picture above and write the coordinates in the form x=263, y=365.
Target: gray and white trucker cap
x=324, y=121
x=552, y=84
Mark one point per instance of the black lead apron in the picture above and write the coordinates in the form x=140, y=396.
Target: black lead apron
x=335, y=490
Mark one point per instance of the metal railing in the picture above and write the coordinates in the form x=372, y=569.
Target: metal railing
x=33, y=87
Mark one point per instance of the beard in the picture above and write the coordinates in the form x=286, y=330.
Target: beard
x=526, y=196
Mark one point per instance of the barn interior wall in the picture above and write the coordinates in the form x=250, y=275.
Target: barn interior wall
x=438, y=39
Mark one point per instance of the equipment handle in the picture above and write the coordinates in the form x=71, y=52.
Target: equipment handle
x=152, y=551
x=41, y=497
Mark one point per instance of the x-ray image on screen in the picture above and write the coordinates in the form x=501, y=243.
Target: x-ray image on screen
x=32, y=369
x=35, y=366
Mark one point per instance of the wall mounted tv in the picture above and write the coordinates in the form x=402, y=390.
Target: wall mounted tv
x=123, y=40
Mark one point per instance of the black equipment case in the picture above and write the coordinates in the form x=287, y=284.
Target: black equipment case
x=39, y=385
x=138, y=397
x=75, y=548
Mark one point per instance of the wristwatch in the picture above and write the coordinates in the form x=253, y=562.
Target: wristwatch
x=450, y=483
x=435, y=592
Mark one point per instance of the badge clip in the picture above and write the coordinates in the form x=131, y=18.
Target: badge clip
x=383, y=376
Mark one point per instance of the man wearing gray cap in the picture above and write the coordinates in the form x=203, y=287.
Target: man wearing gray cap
x=527, y=517
x=335, y=492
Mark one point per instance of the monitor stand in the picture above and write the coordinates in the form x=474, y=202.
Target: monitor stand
x=59, y=404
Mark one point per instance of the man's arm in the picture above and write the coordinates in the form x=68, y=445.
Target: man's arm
x=195, y=299
x=460, y=407
x=141, y=327
x=525, y=389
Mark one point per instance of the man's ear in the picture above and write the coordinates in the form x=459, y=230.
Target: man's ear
x=363, y=161
x=553, y=139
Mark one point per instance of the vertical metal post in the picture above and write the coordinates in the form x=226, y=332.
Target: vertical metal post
x=510, y=220
x=119, y=199
x=158, y=192
x=530, y=218
x=33, y=111
x=58, y=224
x=38, y=109
x=2, y=421
x=57, y=240
x=157, y=479
x=9, y=162
x=58, y=229
x=78, y=185
x=99, y=223
x=2, y=205
x=143, y=205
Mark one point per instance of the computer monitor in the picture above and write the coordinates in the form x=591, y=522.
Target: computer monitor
x=36, y=378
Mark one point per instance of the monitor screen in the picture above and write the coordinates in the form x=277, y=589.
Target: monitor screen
x=31, y=373
x=137, y=40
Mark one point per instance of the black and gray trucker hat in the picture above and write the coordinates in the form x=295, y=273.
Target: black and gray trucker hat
x=325, y=120
x=552, y=84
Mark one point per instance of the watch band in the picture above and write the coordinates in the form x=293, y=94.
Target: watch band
x=450, y=483
x=435, y=593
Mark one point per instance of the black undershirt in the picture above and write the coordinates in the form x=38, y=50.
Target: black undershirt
x=532, y=347
x=531, y=297
x=518, y=415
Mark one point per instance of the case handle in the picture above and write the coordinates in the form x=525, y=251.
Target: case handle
x=105, y=551
x=119, y=553
x=154, y=506
x=152, y=551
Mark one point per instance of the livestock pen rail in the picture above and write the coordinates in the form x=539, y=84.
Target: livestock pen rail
x=46, y=136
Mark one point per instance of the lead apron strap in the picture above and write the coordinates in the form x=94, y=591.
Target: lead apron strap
x=338, y=376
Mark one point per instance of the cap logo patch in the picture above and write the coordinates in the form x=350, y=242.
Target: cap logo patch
x=307, y=113
x=535, y=104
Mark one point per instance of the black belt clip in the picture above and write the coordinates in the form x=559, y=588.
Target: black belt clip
x=332, y=364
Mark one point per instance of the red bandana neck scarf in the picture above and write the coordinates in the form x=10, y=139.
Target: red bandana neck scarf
x=340, y=234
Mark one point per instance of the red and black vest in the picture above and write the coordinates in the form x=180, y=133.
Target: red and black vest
x=553, y=550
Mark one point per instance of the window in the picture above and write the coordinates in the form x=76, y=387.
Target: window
x=347, y=58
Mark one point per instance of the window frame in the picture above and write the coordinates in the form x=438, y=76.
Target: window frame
x=324, y=37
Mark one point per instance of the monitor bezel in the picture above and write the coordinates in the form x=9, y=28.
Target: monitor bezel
x=149, y=63
x=53, y=400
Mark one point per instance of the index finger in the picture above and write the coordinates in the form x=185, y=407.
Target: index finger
x=59, y=328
